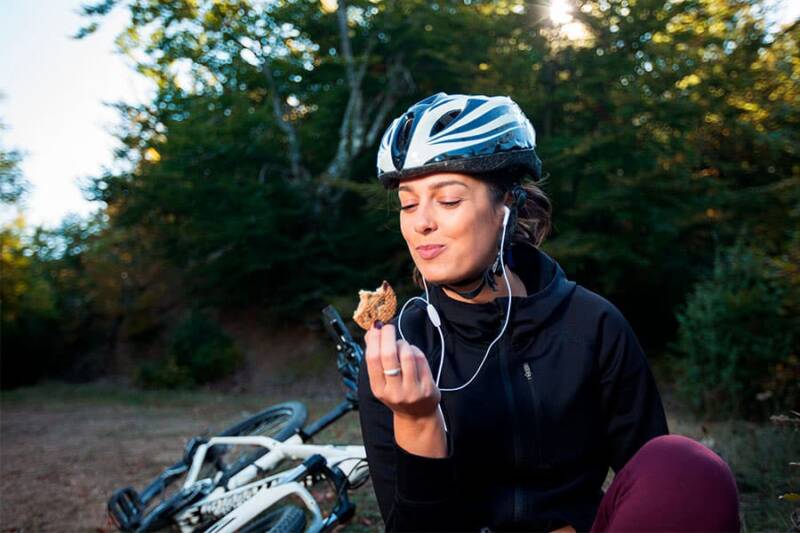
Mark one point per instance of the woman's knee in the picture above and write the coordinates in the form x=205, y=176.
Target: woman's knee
x=679, y=460
x=674, y=483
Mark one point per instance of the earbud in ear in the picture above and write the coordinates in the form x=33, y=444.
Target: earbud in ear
x=506, y=215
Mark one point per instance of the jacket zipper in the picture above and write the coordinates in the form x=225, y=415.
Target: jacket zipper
x=537, y=413
x=518, y=504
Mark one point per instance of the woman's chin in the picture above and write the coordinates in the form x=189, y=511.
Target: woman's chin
x=435, y=275
x=441, y=278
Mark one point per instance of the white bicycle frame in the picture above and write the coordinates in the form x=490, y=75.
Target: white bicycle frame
x=244, y=499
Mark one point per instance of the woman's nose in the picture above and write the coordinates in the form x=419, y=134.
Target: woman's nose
x=423, y=221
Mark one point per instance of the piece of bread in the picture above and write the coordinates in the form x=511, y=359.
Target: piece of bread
x=379, y=304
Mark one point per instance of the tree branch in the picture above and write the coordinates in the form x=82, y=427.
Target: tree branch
x=299, y=172
x=344, y=39
x=400, y=80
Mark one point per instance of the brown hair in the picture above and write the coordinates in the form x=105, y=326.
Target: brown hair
x=534, y=217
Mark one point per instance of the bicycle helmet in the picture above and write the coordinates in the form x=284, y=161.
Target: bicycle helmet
x=486, y=136
x=474, y=134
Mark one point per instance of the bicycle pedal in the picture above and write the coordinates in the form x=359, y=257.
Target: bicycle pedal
x=124, y=508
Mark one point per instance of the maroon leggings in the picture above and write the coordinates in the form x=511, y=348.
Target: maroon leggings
x=672, y=483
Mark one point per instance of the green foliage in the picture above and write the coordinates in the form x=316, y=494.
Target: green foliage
x=654, y=129
x=661, y=125
x=163, y=374
x=199, y=352
x=13, y=185
x=736, y=336
x=28, y=314
x=72, y=294
x=200, y=345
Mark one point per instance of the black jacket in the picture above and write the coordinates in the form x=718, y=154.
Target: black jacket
x=564, y=394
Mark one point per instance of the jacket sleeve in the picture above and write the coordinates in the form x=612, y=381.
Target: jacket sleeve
x=414, y=493
x=631, y=405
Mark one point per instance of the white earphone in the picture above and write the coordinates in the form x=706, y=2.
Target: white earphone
x=433, y=315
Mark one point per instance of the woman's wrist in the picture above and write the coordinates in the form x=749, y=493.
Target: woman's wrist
x=424, y=436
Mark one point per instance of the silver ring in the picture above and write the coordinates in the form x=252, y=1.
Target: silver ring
x=392, y=371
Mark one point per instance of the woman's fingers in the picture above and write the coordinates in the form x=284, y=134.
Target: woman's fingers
x=424, y=373
x=412, y=390
x=377, y=380
x=388, y=351
x=427, y=383
x=408, y=362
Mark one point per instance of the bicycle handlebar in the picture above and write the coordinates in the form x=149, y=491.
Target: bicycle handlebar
x=350, y=353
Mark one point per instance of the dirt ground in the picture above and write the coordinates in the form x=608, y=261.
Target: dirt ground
x=65, y=448
x=63, y=454
x=61, y=479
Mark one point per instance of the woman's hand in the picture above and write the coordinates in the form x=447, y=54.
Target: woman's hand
x=411, y=394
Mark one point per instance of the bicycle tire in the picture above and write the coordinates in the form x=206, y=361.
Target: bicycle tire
x=294, y=416
x=285, y=519
x=296, y=411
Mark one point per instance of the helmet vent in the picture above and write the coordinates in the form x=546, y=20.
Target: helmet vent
x=402, y=138
x=444, y=121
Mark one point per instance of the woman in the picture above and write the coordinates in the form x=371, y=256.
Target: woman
x=534, y=395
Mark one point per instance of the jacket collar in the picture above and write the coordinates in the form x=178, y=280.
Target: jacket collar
x=545, y=283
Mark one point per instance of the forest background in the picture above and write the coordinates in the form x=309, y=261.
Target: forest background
x=668, y=131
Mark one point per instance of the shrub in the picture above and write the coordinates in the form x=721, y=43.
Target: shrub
x=736, y=337
x=163, y=374
x=198, y=352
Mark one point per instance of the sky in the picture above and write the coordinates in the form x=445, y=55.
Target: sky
x=52, y=106
x=53, y=90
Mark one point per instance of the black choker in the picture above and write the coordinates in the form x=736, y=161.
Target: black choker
x=487, y=277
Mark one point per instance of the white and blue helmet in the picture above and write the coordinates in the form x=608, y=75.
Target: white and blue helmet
x=474, y=134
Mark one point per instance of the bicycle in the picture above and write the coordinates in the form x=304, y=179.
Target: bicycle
x=229, y=487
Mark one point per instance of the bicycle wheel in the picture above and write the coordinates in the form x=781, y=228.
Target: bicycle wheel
x=288, y=518
x=279, y=422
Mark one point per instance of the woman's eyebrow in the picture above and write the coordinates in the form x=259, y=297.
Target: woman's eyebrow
x=438, y=185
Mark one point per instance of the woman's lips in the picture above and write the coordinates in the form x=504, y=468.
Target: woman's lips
x=430, y=251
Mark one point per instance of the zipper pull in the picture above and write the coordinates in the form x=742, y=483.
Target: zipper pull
x=528, y=373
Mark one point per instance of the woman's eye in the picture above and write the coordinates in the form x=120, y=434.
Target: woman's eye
x=447, y=204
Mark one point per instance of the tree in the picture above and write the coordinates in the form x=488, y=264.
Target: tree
x=13, y=185
x=664, y=126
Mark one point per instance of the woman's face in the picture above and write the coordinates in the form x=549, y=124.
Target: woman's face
x=452, y=211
